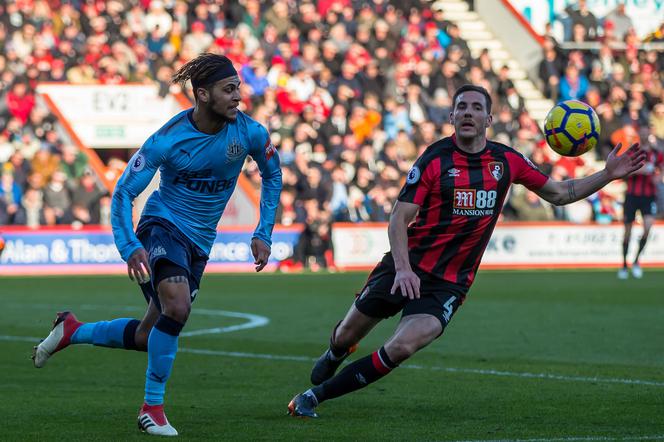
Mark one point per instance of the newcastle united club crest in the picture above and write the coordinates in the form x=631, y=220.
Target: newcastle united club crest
x=235, y=151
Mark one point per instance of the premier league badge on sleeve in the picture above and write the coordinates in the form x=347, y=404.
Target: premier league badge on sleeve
x=413, y=175
x=139, y=163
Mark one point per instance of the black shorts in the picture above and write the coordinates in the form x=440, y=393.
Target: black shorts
x=437, y=297
x=169, y=249
x=647, y=205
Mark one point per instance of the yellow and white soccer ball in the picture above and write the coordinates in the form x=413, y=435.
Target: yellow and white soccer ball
x=572, y=128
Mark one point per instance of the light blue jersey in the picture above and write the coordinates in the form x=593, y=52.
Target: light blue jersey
x=199, y=172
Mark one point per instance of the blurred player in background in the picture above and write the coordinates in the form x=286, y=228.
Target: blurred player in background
x=455, y=193
x=641, y=196
x=200, y=153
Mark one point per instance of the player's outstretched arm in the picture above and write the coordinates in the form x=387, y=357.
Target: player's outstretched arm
x=406, y=280
x=617, y=166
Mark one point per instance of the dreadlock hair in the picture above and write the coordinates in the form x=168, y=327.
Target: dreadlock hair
x=204, y=70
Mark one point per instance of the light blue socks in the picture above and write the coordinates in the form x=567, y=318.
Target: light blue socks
x=162, y=347
x=118, y=333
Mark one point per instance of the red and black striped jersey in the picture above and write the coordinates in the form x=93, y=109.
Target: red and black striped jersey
x=460, y=196
x=643, y=184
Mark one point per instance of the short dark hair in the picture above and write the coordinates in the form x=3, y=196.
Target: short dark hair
x=473, y=88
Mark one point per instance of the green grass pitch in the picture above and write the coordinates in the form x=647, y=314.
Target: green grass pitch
x=530, y=355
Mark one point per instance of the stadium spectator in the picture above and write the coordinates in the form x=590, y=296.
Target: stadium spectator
x=619, y=20
x=74, y=163
x=339, y=199
x=573, y=85
x=379, y=206
x=657, y=120
x=157, y=19
x=6, y=148
x=287, y=211
x=314, y=246
x=364, y=70
x=550, y=70
x=57, y=200
x=581, y=15
x=530, y=207
x=198, y=41
x=11, y=195
x=85, y=200
x=45, y=163
x=20, y=101
x=32, y=214
x=540, y=160
x=605, y=208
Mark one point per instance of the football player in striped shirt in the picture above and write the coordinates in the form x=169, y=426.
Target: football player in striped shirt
x=641, y=196
x=438, y=231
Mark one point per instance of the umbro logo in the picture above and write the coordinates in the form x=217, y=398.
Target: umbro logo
x=454, y=172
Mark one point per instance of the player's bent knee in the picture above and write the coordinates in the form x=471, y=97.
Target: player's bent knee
x=345, y=336
x=178, y=310
x=175, y=300
x=399, y=350
x=141, y=339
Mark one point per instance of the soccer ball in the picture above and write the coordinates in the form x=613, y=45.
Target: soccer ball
x=572, y=128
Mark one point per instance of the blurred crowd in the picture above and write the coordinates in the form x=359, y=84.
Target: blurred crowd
x=622, y=81
x=351, y=91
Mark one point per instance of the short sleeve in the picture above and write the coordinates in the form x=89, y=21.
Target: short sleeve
x=525, y=172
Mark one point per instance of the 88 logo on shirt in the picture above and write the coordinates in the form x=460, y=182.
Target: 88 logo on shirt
x=472, y=202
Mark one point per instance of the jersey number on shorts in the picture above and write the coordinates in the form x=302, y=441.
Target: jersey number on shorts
x=449, y=308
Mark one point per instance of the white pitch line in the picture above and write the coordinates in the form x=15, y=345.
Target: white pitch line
x=19, y=338
x=573, y=439
x=483, y=372
x=253, y=321
x=541, y=376
x=235, y=354
x=445, y=369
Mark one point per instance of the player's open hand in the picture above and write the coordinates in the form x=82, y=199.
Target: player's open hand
x=261, y=252
x=138, y=266
x=408, y=282
x=620, y=164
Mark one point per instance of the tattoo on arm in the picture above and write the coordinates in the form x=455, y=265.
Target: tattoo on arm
x=176, y=279
x=571, y=191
